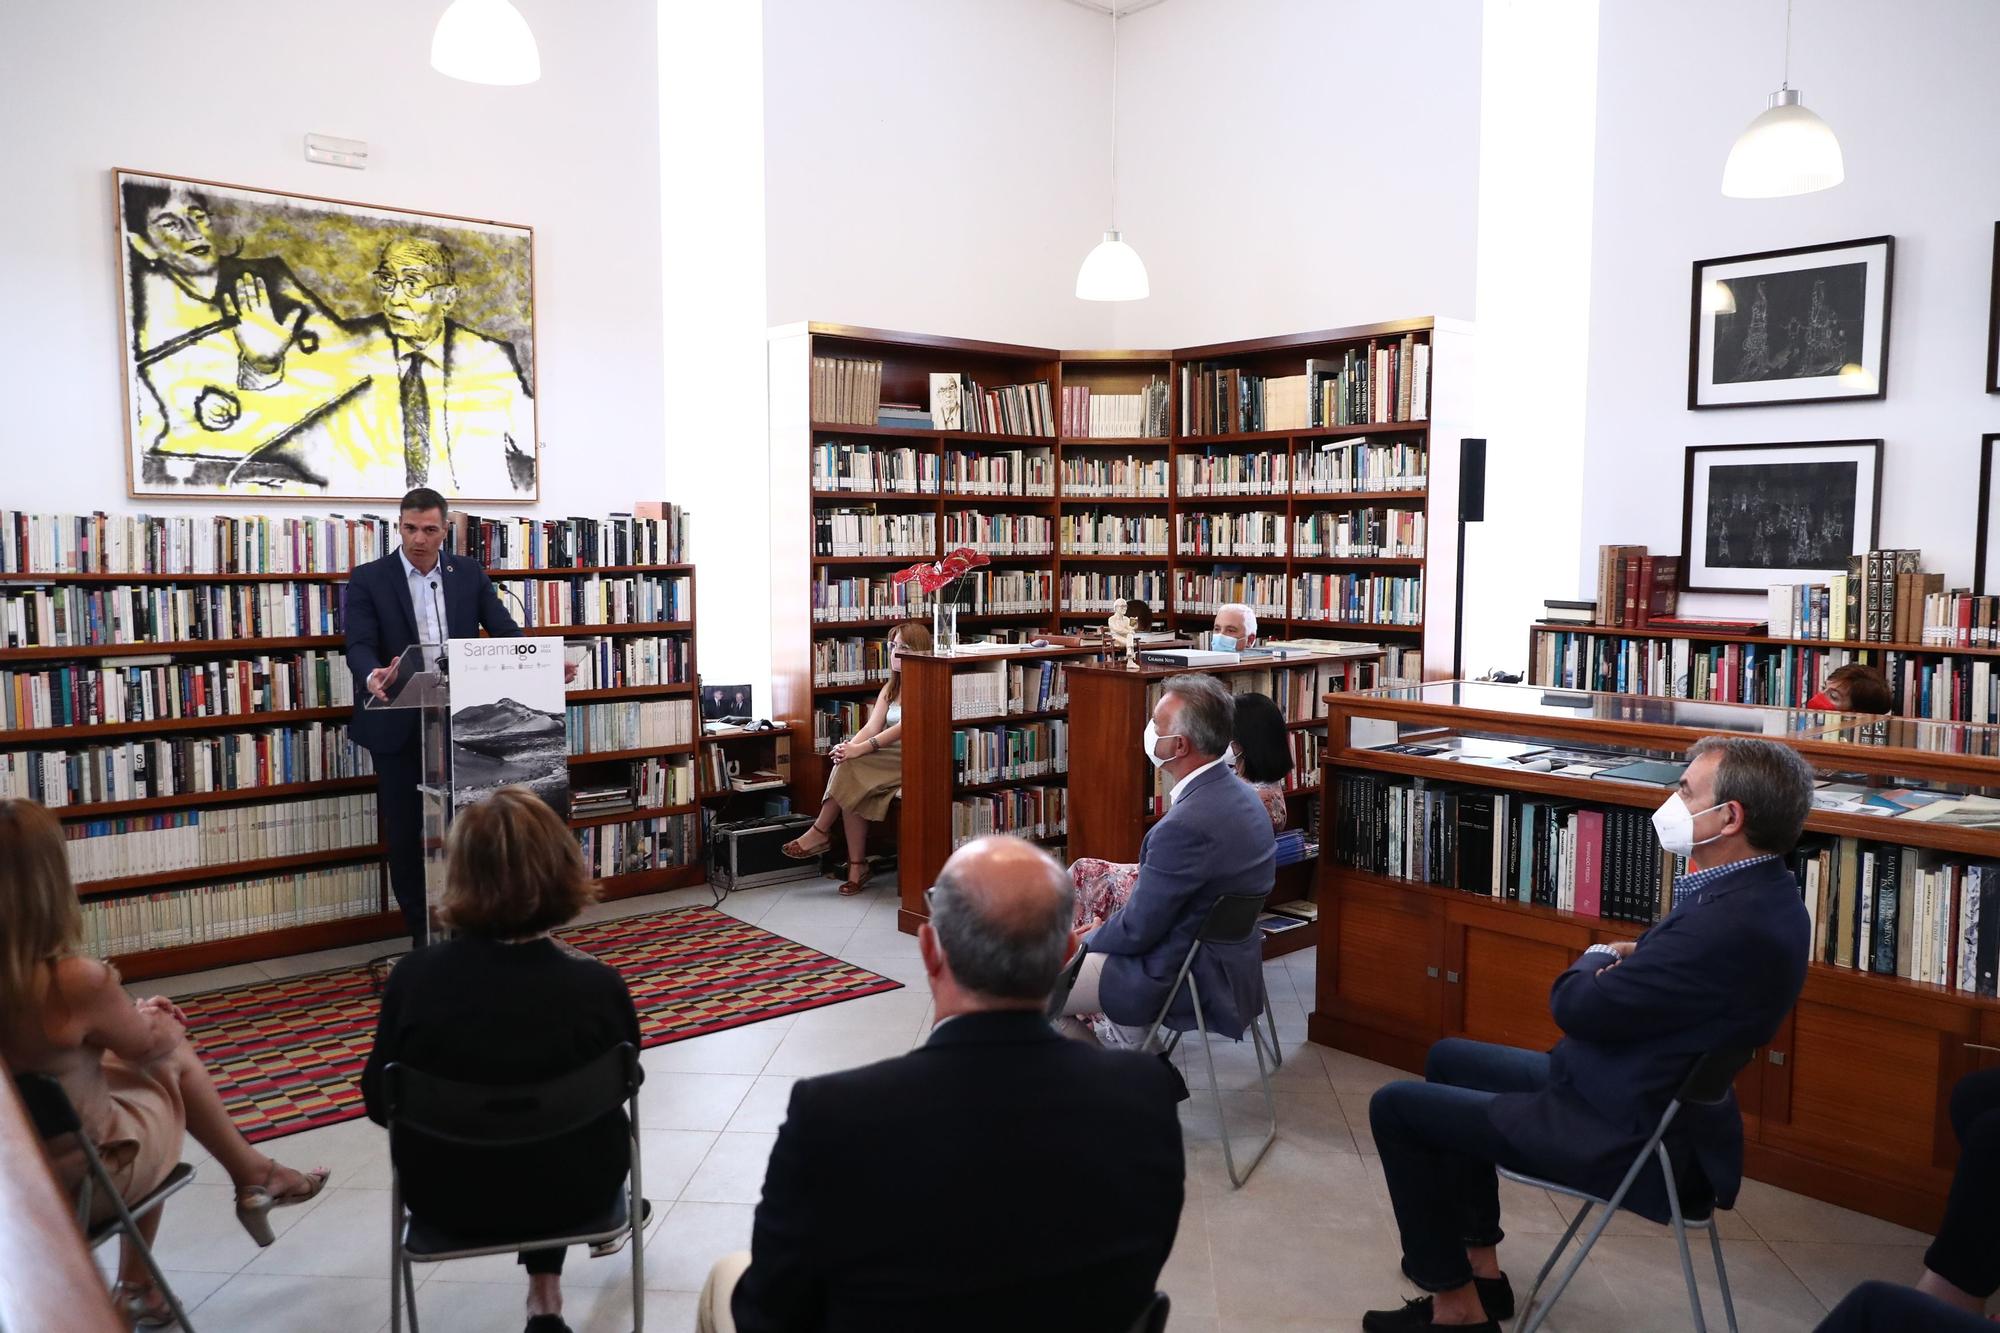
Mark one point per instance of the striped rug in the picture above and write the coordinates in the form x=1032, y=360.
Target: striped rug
x=287, y=1055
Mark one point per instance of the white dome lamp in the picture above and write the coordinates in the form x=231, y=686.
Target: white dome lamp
x=485, y=41
x=1113, y=271
x=1786, y=150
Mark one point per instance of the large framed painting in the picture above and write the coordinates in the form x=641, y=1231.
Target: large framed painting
x=1757, y=514
x=292, y=346
x=1808, y=325
x=1986, y=555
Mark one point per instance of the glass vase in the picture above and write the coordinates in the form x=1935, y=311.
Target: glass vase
x=944, y=627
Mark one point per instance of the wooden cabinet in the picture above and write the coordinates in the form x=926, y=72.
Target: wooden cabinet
x=1499, y=968
x=1381, y=968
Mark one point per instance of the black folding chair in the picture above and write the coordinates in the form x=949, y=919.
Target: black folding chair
x=53, y=1116
x=486, y=1116
x=1154, y=1320
x=1707, y=1084
x=1232, y=920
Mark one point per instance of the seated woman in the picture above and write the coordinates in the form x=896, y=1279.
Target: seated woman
x=867, y=769
x=1962, y=1266
x=499, y=1002
x=1855, y=688
x=136, y=1083
x=1260, y=752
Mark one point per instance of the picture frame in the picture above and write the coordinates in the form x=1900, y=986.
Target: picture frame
x=278, y=345
x=1993, y=321
x=1986, y=549
x=1757, y=514
x=1805, y=325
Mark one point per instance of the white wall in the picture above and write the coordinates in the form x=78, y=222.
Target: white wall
x=1907, y=90
x=1287, y=165
x=225, y=90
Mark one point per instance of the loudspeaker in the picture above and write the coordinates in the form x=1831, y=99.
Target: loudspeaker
x=1472, y=481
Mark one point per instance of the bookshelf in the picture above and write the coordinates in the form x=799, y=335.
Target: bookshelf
x=174, y=739
x=1849, y=1100
x=1106, y=487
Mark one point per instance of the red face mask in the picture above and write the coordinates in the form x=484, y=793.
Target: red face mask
x=1821, y=701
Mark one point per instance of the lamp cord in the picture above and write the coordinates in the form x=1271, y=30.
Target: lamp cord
x=1788, y=48
x=1114, y=114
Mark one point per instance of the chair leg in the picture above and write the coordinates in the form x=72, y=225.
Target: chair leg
x=395, y=1253
x=1681, y=1239
x=1534, y=1321
x=636, y=1215
x=1215, y=1086
x=1721, y=1273
x=410, y=1293
x=1271, y=1022
x=133, y=1237
x=1555, y=1254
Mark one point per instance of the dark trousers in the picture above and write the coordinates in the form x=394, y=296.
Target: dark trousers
x=1438, y=1148
x=397, y=773
x=538, y=1262
x=1966, y=1252
x=1884, y=1307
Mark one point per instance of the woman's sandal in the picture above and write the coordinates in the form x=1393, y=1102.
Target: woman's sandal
x=798, y=851
x=855, y=883
x=255, y=1202
x=144, y=1304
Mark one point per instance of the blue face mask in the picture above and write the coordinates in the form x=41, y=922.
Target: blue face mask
x=1221, y=643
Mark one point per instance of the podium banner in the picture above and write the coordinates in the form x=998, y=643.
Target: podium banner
x=507, y=713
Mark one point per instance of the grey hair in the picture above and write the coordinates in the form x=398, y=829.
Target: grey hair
x=1208, y=712
x=436, y=254
x=1772, y=783
x=1005, y=956
x=1248, y=613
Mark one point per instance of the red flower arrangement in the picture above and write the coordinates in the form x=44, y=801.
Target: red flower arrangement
x=935, y=575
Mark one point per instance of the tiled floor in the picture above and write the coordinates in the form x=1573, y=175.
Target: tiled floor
x=1307, y=1244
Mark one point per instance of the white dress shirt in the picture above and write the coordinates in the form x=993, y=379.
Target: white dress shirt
x=426, y=604
x=1175, y=794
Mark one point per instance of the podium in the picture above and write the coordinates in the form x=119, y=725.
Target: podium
x=426, y=691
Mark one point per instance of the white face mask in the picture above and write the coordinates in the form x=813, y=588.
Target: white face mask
x=1233, y=760
x=1674, y=823
x=1152, y=743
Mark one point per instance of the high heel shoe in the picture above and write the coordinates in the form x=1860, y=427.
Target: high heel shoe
x=144, y=1304
x=255, y=1202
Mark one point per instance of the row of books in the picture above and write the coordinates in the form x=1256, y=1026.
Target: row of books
x=158, y=767
x=1306, y=746
x=1095, y=475
x=1204, y=594
x=1362, y=465
x=163, y=841
x=1359, y=533
x=1116, y=416
x=628, y=660
x=653, y=783
x=999, y=534
x=159, y=689
x=96, y=615
x=1098, y=591
x=958, y=403
x=1300, y=691
x=646, y=844
x=850, y=661
x=103, y=543
x=1899, y=911
x=634, y=724
x=999, y=472
x=654, y=533
x=993, y=689
x=1221, y=472
x=1371, y=599
x=139, y=923
x=1248, y=532
x=1382, y=383
x=844, y=597
x=840, y=466
x=1006, y=753
x=1113, y=533
x=834, y=720
x=846, y=389
x=1634, y=588
x=1025, y=812
x=866, y=532
x=1961, y=620
x=599, y=599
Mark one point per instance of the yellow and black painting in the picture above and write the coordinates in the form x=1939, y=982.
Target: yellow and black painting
x=283, y=345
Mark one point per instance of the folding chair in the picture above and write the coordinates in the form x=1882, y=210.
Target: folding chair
x=1232, y=920
x=1707, y=1084
x=1154, y=1320
x=486, y=1116
x=53, y=1116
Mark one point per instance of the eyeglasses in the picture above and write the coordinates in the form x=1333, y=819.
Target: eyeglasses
x=413, y=284
x=930, y=900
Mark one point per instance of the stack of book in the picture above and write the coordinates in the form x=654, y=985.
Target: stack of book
x=586, y=799
x=1634, y=588
x=846, y=390
x=903, y=416
x=1115, y=416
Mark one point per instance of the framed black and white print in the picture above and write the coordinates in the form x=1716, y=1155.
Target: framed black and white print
x=1757, y=514
x=1807, y=325
x=1986, y=555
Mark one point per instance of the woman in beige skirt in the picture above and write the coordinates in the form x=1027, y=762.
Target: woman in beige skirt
x=867, y=768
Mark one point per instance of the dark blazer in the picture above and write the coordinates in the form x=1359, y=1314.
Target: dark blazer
x=481, y=1011
x=1216, y=839
x=996, y=1178
x=381, y=622
x=1720, y=970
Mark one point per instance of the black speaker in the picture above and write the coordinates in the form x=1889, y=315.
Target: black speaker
x=1472, y=481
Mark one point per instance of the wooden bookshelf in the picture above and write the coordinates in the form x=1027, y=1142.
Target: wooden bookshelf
x=382, y=922
x=1848, y=1102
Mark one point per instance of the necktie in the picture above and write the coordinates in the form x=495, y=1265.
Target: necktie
x=416, y=425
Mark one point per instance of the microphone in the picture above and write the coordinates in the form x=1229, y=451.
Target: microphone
x=437, y=604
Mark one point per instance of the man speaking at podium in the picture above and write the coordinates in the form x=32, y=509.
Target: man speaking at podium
x=413, y=595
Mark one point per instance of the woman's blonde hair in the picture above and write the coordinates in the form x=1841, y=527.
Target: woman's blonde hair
x=40, y=920
x=512, y=868
x=914, y=635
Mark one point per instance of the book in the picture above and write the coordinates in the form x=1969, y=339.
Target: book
x=1650, y=772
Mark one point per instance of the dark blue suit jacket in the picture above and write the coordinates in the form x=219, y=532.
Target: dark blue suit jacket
x=1216, y=839
x=1720, y=970
x=382, y=622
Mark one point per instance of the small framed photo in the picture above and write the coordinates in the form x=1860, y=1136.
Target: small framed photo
x=1757, y=514
x=1986, y=555
x=1807, y=325
x=1993, y=321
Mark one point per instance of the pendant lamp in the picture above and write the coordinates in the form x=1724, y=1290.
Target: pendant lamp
x=485, y=41
x=1113, y=271
x=1786, y=150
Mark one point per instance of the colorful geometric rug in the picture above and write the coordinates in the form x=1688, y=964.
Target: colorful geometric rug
x=286, y=1055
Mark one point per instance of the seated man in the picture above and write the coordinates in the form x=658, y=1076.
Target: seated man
x=1720, y=971
x=1235, y=628
x=1884, y=1307
x=1215, y=839
x=953, y=1187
